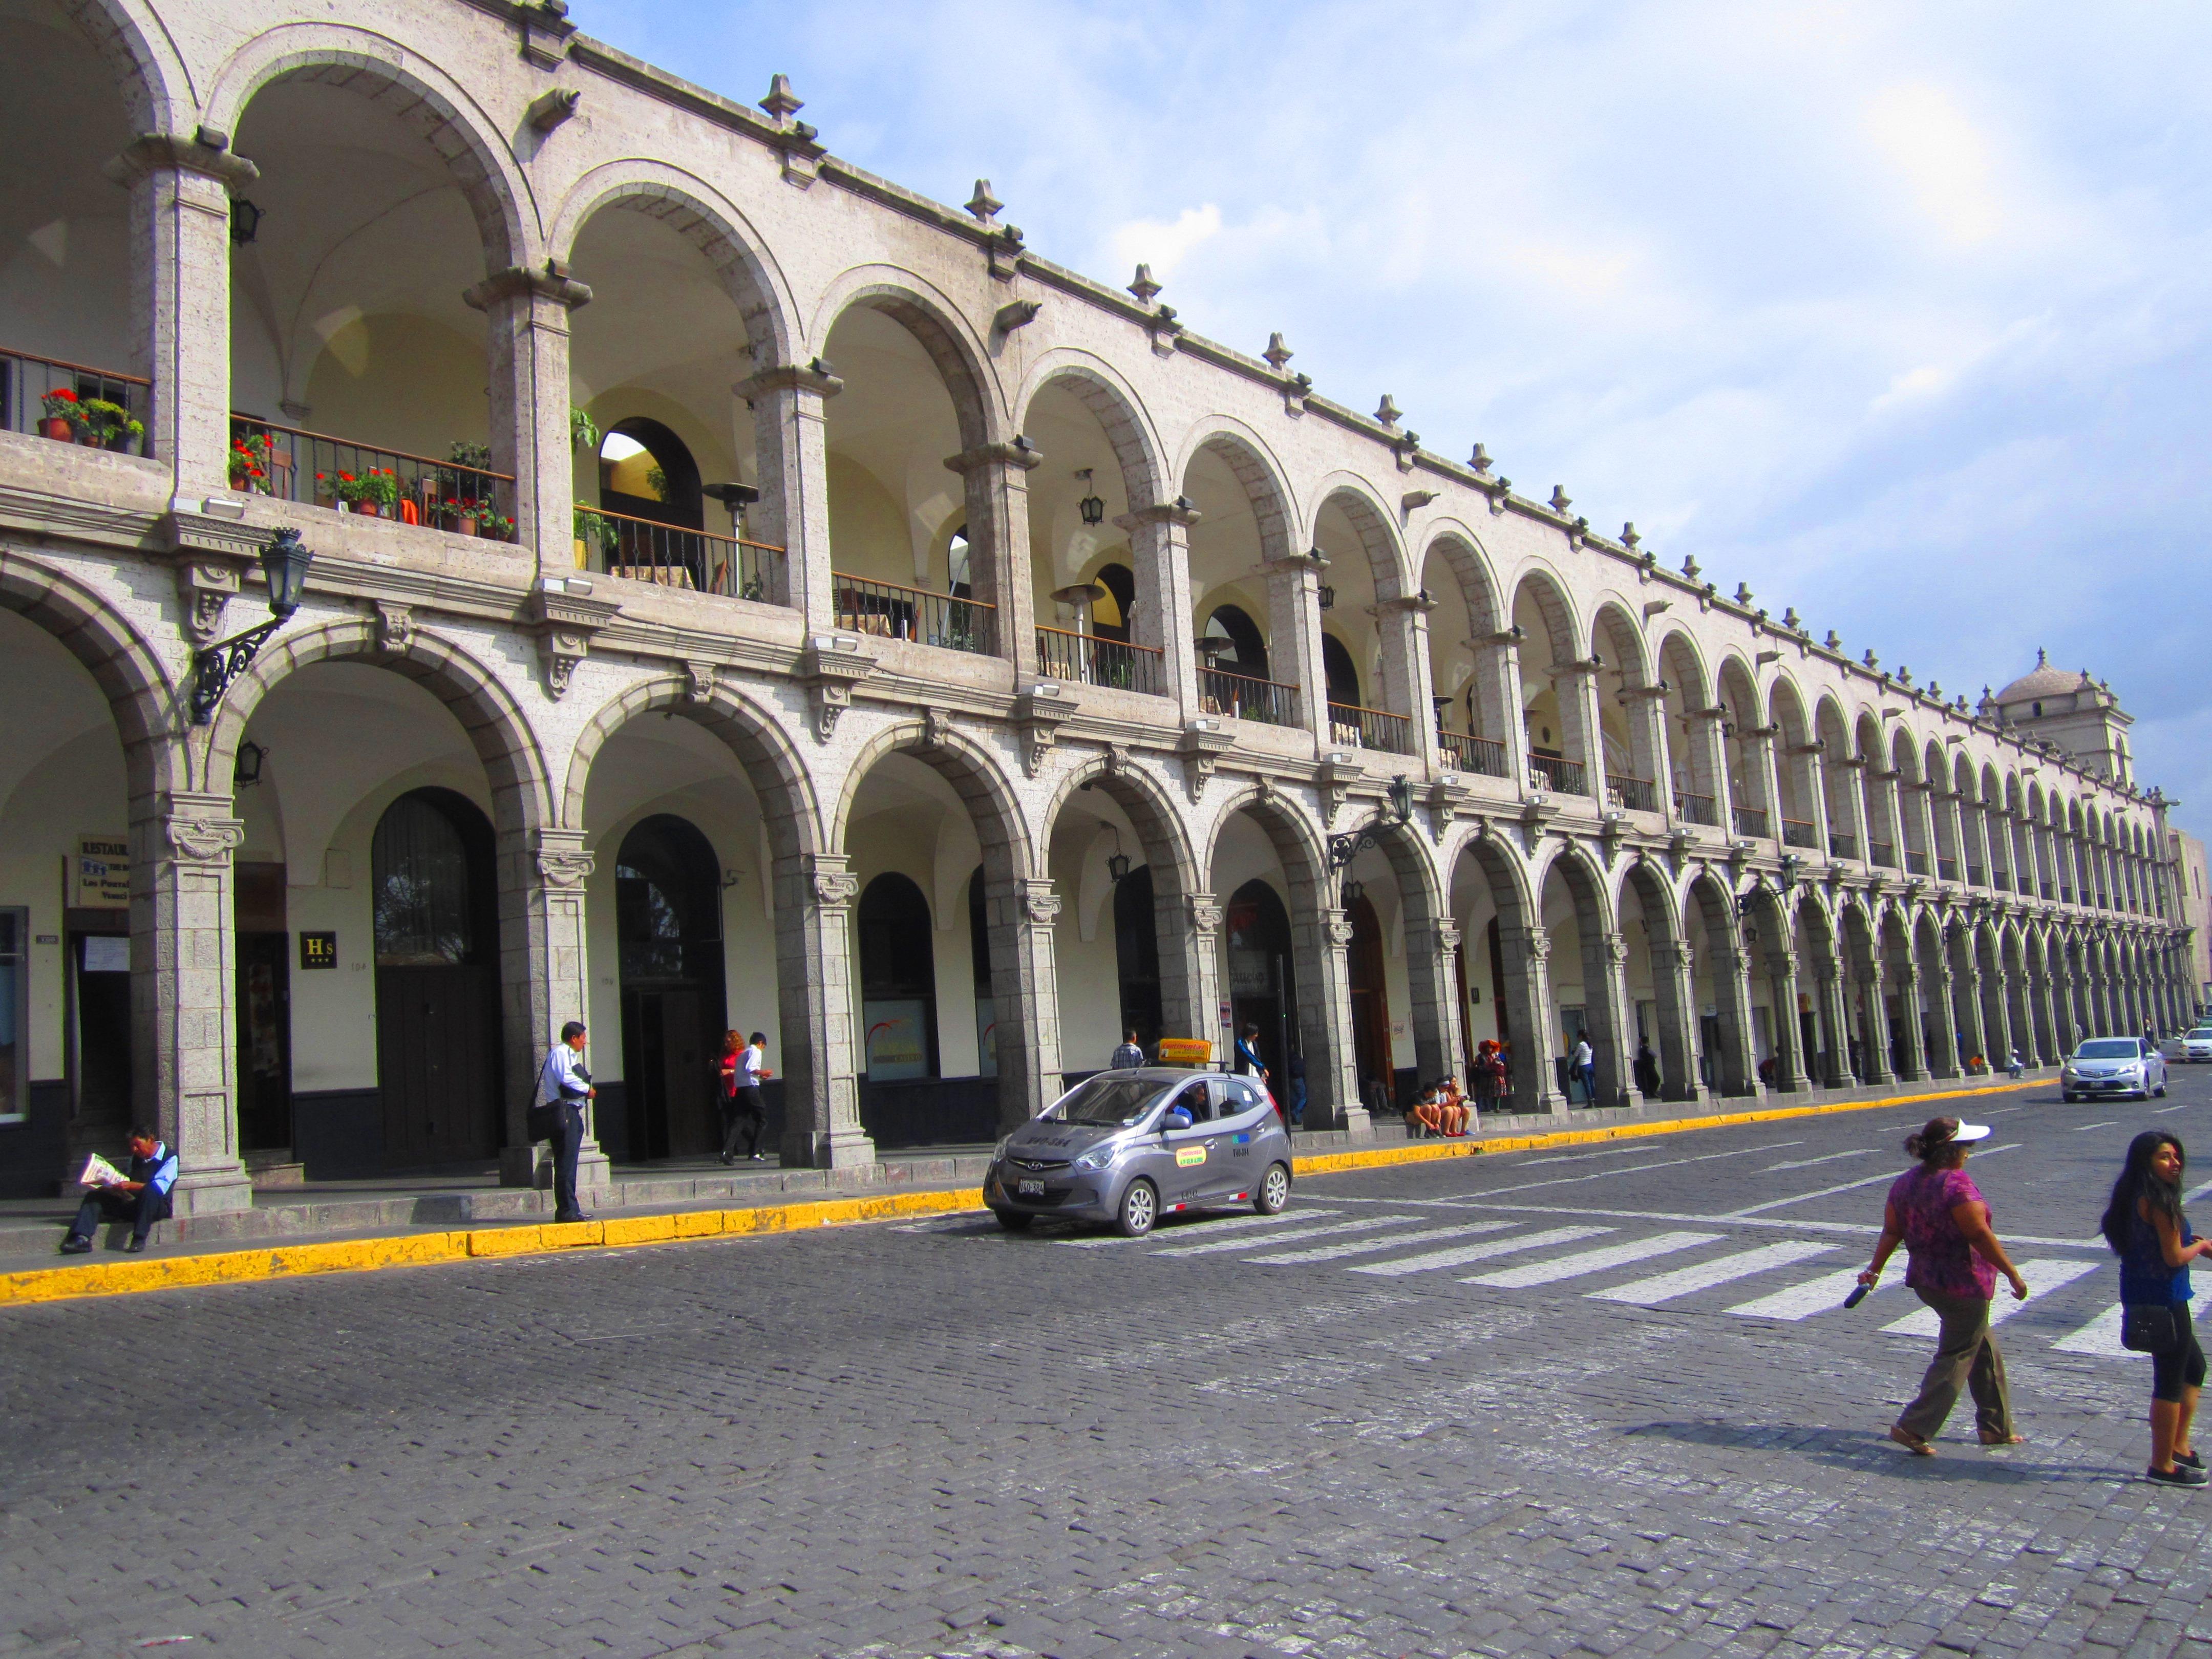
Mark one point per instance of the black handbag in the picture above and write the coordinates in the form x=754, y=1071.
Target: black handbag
x=2149, y=1327
x=543, y=1123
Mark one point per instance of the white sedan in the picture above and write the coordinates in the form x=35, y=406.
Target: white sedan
x=2105, y=1067
x=2195, y=1045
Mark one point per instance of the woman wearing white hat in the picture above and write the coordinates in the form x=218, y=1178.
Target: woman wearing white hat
x=1941, y=1218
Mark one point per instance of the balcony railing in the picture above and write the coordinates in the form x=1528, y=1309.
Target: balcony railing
x=1637, y=794
x=318, y=469
x=1946, y=869
x=1698, y=809
x=73, y=402
x=1882, y=853
x=1796, y=832
x=1751, y=821
x=1088, y=659
x=891, y=611
x=1484, y=756
x=1916, y=861
x=1557, y=774
x=1370, y=728
x=1243, y=697
x=1974, y=875
x=646, y=550
x=1843, y=844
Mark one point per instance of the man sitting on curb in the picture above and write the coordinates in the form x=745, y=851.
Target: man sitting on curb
x=141, y=1199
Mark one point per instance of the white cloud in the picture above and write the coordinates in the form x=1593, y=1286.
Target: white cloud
x=1942, y=157
x=1164, y=246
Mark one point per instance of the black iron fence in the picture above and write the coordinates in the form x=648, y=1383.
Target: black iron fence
x=1698, y=809
x=1244, y=698
x=1370, y=728
x=1088, y=659
x=1485, y=756
x=1558, y=773
x=318, y=469
x=891, y=611
x=75, y=403
x=672, y=555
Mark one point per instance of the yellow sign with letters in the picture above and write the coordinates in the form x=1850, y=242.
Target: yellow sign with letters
x=1188, y=1158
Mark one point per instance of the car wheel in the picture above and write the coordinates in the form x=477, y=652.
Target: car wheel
x=2070, y=1099
x=1275, y=1192
x=1141, y=1208
x=2159, y=1093
x=1014, y=1221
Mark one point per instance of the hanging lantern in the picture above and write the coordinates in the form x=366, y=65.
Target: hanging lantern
x=1090, y=506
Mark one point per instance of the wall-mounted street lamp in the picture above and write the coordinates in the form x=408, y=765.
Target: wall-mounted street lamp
x=1117, y=861
x=1325, y=596
x=1343, y=848
x=244, y=221
x=245, y=770
x=285, y=562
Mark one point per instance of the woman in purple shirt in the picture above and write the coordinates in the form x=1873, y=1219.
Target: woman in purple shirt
x=1943, y=1221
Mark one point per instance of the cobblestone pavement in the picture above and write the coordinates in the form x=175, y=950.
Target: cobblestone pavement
x=1596, y=1401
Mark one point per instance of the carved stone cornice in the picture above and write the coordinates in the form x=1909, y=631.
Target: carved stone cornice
x=564, y=621
x=1335, y=777
x=830, y=883
x=814, y=377
x=1205, y=912
x=211, y=553
x=1176, y=512
x=829, y=667
x=204, y=840
x=150, y=152
x=1038, y=715
x=516, y=281
x=1201, y=748
x=563, y=862
x=1022, y=457
x=1039, y=901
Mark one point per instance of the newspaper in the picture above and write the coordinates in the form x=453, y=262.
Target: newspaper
x=99, y=1172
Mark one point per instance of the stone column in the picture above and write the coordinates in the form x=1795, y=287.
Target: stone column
x=1874, y=1027
x=998, y=491
x=1432, y=988
x=1021, y=915
x=1674, y=990
x=1583, y=736
x=1318, y=944
x=544, y=980
x=1403, y=623
x=1828, y=975
x=2045, y=1019
x=1816, y=788
x=1967, y=1000
x=1294, y=641
x=2019, y=1029
x=1188, y=928
x=1736, y=1066
x=1159, y=545
x=528, y=311
x=814, y=1004
x=791, y=431
x=1646, y=708
x=1709, y=768
x=1605, y=979
x=1527, y=954
x=1944, y=1060
x=1789, y=1077
x=1497, y=682
x=180, y=242
x=1907, y=980
x=183, y=1028
x=1761, y=772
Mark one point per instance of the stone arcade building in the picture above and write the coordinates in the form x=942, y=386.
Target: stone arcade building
x=745, y=594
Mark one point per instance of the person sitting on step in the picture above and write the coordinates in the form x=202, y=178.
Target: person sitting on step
x=141, y=1198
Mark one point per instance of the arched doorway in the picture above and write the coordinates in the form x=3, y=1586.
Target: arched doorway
x=1262, y=978
x=646, y=471
x=1137, y=954
x=668, y=908
x=436, y=921
x=1370, y=1005
x=898, y=982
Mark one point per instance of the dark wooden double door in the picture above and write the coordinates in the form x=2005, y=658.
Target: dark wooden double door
x=438, y=1062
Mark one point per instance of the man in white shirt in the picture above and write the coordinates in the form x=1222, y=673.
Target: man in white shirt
x=746, y=1112
x=141, y=1198
x=1585, y=1065
x=564, y=1085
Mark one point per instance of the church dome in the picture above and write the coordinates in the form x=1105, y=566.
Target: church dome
x=2043, y=681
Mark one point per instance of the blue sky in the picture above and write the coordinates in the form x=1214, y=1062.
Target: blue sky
x=1899, y=313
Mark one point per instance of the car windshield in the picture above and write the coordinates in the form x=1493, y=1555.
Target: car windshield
x=2200, y=1034
x=2110, y=1048
x=1118, y=1101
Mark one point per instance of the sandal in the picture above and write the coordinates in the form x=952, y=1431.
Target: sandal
x=1989, y=1439
x=1912, y=1442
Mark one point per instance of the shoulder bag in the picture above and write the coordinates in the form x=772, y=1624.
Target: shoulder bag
x=2149, y=1327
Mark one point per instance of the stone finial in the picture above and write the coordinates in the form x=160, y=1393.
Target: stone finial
x=1278, y=353
x=1629, y=538
x=1388, y=411
x=1560, y=501
x=2043, y=659
x=984, y=205
x=1792, y=621
x=1834, y=642
x=1903, y=674
x=1480, y=461
x=1144, y=286
x=1690, y=566
x=1743, y=594
x=1936, y=690
x=780, y=104
x=1869, y=659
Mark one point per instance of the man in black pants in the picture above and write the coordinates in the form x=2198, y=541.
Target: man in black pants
x=746, y=1113
x=141, y=1198
x=563, y=1086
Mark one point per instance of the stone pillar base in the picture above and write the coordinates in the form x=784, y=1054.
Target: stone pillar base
x=1357, y=1120
x=827, y=1149
x=211, y=1192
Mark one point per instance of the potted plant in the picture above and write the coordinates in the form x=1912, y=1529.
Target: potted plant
x=109, y=426
x=593, y=526
x=375, y=491
x=583, y=431
x=248, y=461
x=461, y=514
x=59, y=418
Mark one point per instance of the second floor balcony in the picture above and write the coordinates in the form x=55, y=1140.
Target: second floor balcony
x=1484, y=756
x=1796, y=832
x=918, y=615
x=1634, y=794
x=1094, y=659
x=1354, y=727
x=1694, y=808
x=1556, y=773
x=1243, y=697
x=74, y=403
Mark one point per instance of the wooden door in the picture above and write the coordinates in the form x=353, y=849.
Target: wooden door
x=437, y=1062
x=265, y=1041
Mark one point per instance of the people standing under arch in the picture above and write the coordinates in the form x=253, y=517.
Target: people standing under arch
x=744, y=1068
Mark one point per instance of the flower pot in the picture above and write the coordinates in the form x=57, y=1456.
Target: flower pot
x=466, y=527
x=583, y=554
x=245, y=486
x=57, y=426
x=120, y=443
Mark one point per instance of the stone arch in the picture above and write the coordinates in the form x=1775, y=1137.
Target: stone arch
x=1258, y=471
x=1679, y=654
x=737, y=253
x=1555, y=605
x=1119, y=412
x=1370, y=522
x=1470, y=566
x=1151, y=809
x=961, y=359
x=1709, y=899
x=1672, y=985
x=1614, y=626
x=1597, y=925
x=422, y=97
x=976, y=775
x=144, y=700
x=150, y=73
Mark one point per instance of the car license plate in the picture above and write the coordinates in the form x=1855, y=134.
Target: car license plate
x=1029, y=1189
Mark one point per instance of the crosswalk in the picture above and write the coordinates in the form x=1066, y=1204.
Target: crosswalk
x=1620, y=1259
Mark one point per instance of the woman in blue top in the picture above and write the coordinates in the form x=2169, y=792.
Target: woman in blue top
x=2145, y=1227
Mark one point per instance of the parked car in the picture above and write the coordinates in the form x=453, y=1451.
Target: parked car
x=1128, y=1147
x=2193, y=1046
x=2106, y=1065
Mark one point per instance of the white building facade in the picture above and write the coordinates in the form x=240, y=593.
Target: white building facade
x=746, y=594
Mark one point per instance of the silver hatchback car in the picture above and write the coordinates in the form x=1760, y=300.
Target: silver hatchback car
x=1127, y=1147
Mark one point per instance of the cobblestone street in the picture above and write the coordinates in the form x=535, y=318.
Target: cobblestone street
x=1599, y=1400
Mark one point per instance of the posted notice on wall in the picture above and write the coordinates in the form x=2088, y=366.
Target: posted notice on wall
x=100, y=873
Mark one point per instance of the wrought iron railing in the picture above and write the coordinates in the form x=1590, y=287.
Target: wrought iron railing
x=1370, y=728
x=1088, y=659
x=1558, y=773
x=319, y=470
x=1637, y=794
x=1882, y=853
x=1245, y=698
x=889, y=611
x=1843, y=844
x=1751, y=821
x=1916, y=861
x=1946, y=869
x=1698, y=809
x=671, y=556
x=1796, y=832
x=75, y=403
x=1485, y=756
x=2000, y=880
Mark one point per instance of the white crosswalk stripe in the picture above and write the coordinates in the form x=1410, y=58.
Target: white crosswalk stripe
x=2046, y=1273
x=1804, y=1301
x=1430, y=1261
x=1366, y=1246
x=2101, y=1336
x=1706, y=1275
x=1591, y=1261
x=1210, y=1225
x=1363, y=1226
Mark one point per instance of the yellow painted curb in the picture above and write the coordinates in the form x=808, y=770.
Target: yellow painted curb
x=413, y=1249
x=369, y=1254
x=1426, y=1151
